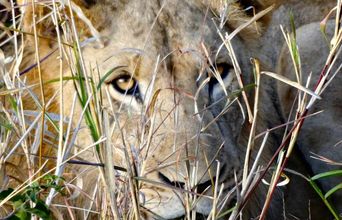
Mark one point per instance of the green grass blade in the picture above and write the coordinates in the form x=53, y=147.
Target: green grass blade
x=333, y=190
x=103, y=79
x=326, y=202
x=327, y=174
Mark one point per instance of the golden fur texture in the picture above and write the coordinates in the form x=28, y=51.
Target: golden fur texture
x=175, y=124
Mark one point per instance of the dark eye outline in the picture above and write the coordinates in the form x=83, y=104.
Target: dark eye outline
x=133, y=91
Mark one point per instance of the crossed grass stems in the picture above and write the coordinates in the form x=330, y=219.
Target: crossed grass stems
x=124, y=198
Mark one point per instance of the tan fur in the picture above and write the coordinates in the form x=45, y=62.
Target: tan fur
x=137, y=35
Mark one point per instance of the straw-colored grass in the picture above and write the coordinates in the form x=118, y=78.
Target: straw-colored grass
x=44, y=185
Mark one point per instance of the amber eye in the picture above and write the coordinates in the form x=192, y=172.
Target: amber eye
x=223, y=69
x=125, y=84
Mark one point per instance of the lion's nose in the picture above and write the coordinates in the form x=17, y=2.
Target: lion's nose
x=198, y=188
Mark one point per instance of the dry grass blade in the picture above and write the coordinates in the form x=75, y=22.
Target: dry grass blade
x=274, y=181
x=63, y=151
x=291, y=83
x=250, y=144
x=251, y=21
x=161, y=131
x=238, y=73
x=109, y=168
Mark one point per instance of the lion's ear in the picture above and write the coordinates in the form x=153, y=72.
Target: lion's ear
x=257, y=5
x=89, y=17
x=240, y=12
x=90, y=3
x=254, y=6
x=236, y=13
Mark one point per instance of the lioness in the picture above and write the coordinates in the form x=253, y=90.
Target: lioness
x=173, y=109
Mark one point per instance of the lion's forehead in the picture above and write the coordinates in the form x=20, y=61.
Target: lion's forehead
x=157, y=33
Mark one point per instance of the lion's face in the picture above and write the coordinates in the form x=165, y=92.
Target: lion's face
x=175, y=120
x=167, y=84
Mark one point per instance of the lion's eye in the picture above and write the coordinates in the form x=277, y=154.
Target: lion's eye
x=125, y=84
x=224, y=69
